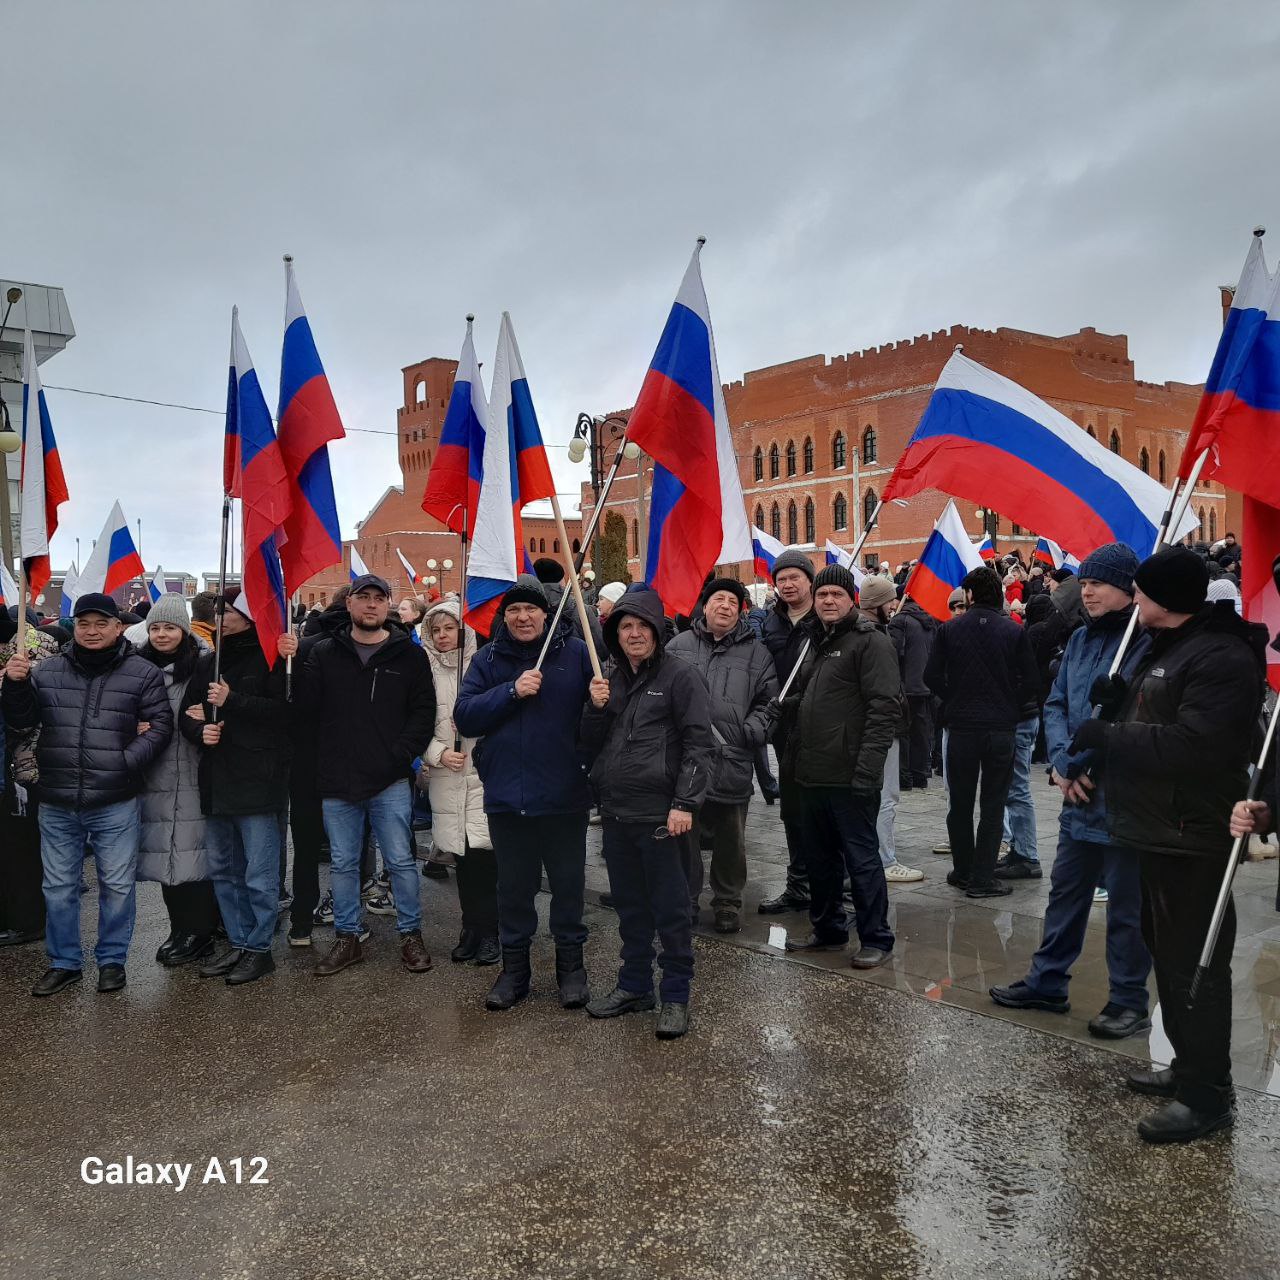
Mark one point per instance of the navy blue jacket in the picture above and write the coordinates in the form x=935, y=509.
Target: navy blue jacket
x=528, y=756
x=1088, y=655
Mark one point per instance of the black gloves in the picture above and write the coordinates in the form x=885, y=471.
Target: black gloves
x=1108, y=694
x=1089, y=736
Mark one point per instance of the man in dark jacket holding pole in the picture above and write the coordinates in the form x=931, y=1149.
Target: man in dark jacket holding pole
x=1175, y=759
x=739, y=674
x=367, y=688
x=535, y=784
x=88, y=702
x=649, y=725
x=983, y=670
x=842, y=715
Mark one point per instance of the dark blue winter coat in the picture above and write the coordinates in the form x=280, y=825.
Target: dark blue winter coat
x=528, y=756
x=1088, y=655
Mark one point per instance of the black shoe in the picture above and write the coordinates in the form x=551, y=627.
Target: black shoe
x=992, y=890
x=1159, y=1082
x=1017, y=995
x=252, y=966
x=110, y=978
x=435, y=871
x=1177, y=1122
x=618, y=1002
x=188, y=947
x=607, y=900
x=162, y=951
x=869, y=958
x=513, y=982
x=785, y=901
x=957, y=881
x=673, y=1021
x=1015, y=868
x=468, y=945
x=300, y=935
x=487, y=953
x=54, y=980
x=19, y=937
x=920, y=781
x=728, y=922
x=571, y=976
x=221, y=965
x=814, y=943
x=1116, y=1022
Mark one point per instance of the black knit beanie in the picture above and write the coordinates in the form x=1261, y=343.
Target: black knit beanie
x=1175, y=578
x=835, y=575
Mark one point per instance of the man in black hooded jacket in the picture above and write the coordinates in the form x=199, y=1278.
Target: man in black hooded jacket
x=1175, y=759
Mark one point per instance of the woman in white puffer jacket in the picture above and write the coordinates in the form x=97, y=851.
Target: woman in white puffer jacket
x=448, y=774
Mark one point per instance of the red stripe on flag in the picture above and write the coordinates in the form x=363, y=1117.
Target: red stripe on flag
x=929, y=591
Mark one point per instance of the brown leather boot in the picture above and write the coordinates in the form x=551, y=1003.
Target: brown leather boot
x=413, y=953
x=342, y=955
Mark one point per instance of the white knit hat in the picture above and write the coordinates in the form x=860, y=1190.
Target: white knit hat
x=612, y=591
x=1224, y=589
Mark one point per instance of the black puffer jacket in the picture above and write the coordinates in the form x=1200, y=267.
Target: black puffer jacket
x=1178, y=756
x=984, y=671
x=844, y=710
x=739, y=674
x=90, y=752
x=912, y=631
x=783, y=638
x=652, y=742
x=248, y=771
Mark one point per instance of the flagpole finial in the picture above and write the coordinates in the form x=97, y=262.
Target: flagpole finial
x=288, y=257
x=701, y=241
x=1259, y=231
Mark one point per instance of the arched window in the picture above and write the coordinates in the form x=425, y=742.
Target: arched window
x=577, y=545
x=869, y=503
x=555, y=546
x=870, y=452
x=759, y=463
x=1213, y=524
x=759, y=516
x=810, y=521
x=1162, y=467
x=791, y=457
x=808, y=456
x=792, y=531
x=1091, y=431
x=839, y=513
x=1114, y=443
x=1202, y=524
x=1015, y=531
x=775, y=522
x=533, y=544
x=773, y=461
x=1144, y=461
x=837, y=450
x=542, y=544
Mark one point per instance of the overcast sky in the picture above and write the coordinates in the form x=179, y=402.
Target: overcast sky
x=863, y=172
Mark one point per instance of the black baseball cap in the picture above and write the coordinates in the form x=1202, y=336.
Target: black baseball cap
x=95, y=602
x=366, y=580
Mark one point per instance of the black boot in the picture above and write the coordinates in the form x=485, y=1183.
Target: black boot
x=251, y=966
x=513, y=982
x=188, y=947
x=1177, y=1122
x=162, y=952
x=468, y=945
x=488, y=952
x=571, y=976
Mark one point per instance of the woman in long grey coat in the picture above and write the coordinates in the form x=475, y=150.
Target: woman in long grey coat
x=172, y=845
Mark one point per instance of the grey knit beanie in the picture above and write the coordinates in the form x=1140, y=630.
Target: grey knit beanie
x=793, y=560
x=171, y=608
x=1114, y=563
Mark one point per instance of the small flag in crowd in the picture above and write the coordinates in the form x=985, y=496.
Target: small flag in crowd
x=947, y=558
x=8, y=588
x=838, y=555
x=69, y=592
x=408, y=568
x=453, y=483
x=515, y=473
x=697, y=517
x=986, y=547
x=156, y=587
x=986, y=439
x=114, y=560
x=1052, y=556
x=765, y=549
x=358, y=567
x=308, y=420
x=43, y=487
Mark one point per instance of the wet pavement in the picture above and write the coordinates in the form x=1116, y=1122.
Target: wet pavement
x=815, y=1123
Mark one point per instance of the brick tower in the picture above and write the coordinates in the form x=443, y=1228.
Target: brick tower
x=427, y=386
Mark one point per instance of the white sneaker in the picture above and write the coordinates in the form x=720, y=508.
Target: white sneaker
x=1101, y=895
x=898, y=874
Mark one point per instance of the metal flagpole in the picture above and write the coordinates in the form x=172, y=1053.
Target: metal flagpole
x=222, y=599
x=576, y=588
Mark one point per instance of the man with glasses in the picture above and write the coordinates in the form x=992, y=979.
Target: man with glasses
x=649, y=724
x=89, y=702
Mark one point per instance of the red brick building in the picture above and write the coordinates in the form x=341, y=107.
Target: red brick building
x=397, y=519
x=817, y=438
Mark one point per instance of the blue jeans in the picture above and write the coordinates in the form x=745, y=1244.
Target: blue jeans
x=244, y=865
x=111, y=833
x=390, y=815
x=1019, y=812
x=1076, y=871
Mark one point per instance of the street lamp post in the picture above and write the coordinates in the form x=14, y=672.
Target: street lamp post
x=10, y=442
x=988, y=519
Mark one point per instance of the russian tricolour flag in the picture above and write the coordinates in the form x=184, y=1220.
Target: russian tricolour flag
x=947, y=558
x=156, y=587
x=43, y=487
x=515, y=473
x=765, y=549
x=410, y=571
x=1052, y=556
x=838, y=555
x=70, y=589
x=453, y=483
x=114, y=560
x=308, y=420
x=697, y=518
x=8, y=588
x=986, y=548
x=358, y=567
x=988, y=440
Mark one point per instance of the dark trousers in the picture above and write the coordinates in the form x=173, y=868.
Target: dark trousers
x=726, y=825
x=192, y=907
x=1178, y=897
x=306, y=825
x=477, y=877
x=523, y=846
x=978, y=756
x=647, y=879
x=917, y=759
x=839, y=832
x=21, y=872
x=789, y=806
x=1079, y=867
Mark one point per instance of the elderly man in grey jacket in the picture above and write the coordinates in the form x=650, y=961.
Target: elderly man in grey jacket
x=739, y=672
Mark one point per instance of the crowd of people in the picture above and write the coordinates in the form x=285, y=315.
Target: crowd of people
x=169, y=749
